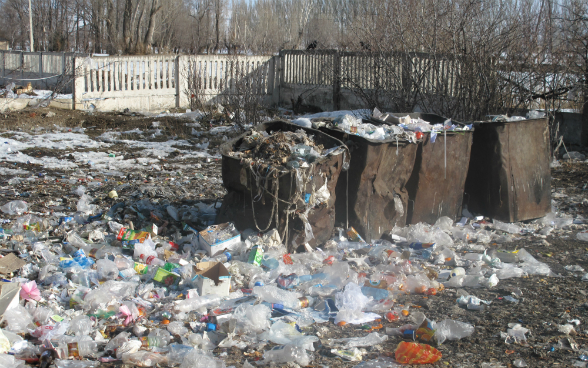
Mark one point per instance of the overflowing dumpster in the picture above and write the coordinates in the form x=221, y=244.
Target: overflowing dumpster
x=509, y=176
x=284, y=176
x=372, y=196
x=436, y=185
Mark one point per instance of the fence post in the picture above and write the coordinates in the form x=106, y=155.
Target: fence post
x=272, y=80
x=79, y=82
x=22, y=65
x=73, y=88
x=41, y=67
x=336, y=81
x=406, y=66
x=182, y=76
x=281, y=75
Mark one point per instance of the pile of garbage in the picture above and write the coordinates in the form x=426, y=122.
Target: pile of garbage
x=138, y=283
x=383, y=126
x=289, y=149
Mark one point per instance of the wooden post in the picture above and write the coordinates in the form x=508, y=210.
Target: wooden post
x=336, y=81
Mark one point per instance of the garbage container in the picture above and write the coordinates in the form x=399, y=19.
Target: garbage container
x=436, y=185
x=299, y=202
x=509, y=177
x=372, y=195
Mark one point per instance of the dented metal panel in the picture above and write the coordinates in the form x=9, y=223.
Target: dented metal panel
x=437, y=183
x=509, y=177
x=377, y=173
x=239, y=207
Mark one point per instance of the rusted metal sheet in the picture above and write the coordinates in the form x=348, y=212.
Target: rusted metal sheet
x=436, y=185
x=378, y=172
x=243, y=206
x=509, y=177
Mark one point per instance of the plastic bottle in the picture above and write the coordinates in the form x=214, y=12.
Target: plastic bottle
x=257, y=280
x=458, y=271
x=47, y=358
x=316, y=276
x=98, y=251
x=269, y=262
x=377, y=294
x=153, y=341
x=127, y=273
x=188, y=305
x=223, y=258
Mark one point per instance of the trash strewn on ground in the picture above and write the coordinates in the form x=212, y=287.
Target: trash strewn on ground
x=112, y=254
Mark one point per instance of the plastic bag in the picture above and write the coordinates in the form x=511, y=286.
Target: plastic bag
x=415, y=353
x=15, y=208
x=18, y=319
x=449, y=329
x=80, y=326
x=107, y=269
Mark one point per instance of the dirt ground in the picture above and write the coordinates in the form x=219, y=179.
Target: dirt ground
x=545, y=302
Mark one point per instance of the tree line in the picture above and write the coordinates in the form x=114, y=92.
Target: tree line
x=517, y=51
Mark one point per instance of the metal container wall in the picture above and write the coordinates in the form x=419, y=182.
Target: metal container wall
x=239, y=208
x=435, y=187
x=509, y=176
x=365, y=194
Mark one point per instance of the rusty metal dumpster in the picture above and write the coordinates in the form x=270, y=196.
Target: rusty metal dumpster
x=509, y=177
x=372, y=195
x=264, y=197
x=436, y=185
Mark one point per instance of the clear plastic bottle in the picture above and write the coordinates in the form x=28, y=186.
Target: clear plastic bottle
x=269, y=262
x=153, y=341
x=377, y=294
x=316, y=276
x=223, y=258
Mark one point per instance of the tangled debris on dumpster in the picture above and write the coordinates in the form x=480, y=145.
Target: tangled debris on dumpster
x=113, y=255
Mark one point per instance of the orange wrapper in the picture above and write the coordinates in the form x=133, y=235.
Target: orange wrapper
x=415, y=353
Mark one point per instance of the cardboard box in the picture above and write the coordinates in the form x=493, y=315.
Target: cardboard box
x=209, y=244
x=212, y=278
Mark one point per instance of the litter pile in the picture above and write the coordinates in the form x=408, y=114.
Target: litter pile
x=383, y=126
x=290, y=149
x=120, y=274
x=92, y=288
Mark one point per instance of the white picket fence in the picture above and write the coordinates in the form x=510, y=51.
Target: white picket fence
x=326, y=78
x=164, y=81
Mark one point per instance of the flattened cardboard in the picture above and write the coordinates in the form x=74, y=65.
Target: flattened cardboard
x=10, y=263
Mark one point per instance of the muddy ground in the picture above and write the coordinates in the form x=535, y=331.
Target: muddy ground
x=545, y=302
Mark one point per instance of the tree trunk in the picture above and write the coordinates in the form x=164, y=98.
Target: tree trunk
x=155, y=8
x=127, y=25
x=584, y=133
x=111, y=29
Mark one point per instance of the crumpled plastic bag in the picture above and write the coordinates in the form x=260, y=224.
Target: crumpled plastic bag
x=18, y=319
x=30, y=291
x=15, y=208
